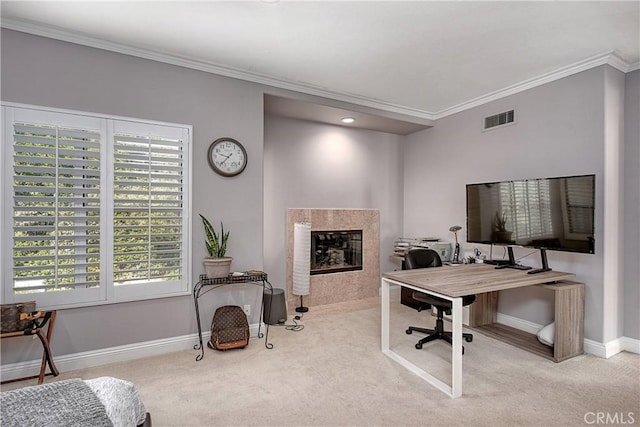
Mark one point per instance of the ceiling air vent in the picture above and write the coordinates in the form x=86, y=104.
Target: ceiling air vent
x=500, y=119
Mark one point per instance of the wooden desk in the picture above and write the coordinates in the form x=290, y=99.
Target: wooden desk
x=454, y=282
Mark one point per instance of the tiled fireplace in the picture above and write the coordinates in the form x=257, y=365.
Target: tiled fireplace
x=341, y=235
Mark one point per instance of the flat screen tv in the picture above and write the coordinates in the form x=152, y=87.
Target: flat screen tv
x=545, y=213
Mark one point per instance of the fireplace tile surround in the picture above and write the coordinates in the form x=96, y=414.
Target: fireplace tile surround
x=339, y=286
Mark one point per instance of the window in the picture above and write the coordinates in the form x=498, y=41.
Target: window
x=95, y=209
x=527, y=204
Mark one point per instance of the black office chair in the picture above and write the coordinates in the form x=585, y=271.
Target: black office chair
x=424, y=258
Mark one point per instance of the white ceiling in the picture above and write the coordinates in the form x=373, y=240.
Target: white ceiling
x=421, y=58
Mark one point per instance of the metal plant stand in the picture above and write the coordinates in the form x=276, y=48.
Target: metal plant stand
x=205, y=285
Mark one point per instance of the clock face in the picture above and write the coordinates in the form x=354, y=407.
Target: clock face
x=227, y=157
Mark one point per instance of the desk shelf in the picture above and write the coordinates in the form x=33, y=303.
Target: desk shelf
x=517, y=338
x=568, y=317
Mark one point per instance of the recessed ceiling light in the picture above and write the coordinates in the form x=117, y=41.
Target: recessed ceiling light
x=347, y=120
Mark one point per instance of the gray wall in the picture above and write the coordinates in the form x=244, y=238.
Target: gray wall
x=558, y=131
x=42, y=71
x=313, y=165
x=631, y=228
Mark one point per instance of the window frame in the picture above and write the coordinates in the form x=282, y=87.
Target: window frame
x=107, y=292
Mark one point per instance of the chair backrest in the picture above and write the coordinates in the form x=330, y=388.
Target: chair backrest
x=422, y=258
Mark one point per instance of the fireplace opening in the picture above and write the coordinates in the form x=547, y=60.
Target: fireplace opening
x=336, y=251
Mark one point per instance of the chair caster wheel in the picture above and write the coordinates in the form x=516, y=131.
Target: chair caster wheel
x=418, y=346
x=408, y=331
x=468, y=339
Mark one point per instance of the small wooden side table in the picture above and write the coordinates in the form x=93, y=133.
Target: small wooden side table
x=40, y=320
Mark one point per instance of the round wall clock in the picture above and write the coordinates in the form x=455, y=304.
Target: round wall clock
x=227, y=157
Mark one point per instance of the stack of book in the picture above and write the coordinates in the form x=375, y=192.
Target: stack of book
x=404, y=244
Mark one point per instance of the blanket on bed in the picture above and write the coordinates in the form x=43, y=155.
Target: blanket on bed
x=62, y=403
x=121, y=400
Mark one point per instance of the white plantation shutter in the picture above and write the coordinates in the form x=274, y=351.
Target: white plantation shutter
x=91, y=204
x=56, y=207
x=148, y=239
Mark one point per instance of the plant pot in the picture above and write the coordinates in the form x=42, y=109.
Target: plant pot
x=217, y=267
x=503, y=236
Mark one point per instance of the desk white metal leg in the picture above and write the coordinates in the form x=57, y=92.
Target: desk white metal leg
x=455, y=390
x=385, y=316
x=456, y=347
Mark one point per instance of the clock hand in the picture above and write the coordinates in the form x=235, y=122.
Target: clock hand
x=226, y=158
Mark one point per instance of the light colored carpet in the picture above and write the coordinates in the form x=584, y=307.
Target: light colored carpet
x=332, y=373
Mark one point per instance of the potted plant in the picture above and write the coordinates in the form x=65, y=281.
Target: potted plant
x=501, y=233
x=216, y=264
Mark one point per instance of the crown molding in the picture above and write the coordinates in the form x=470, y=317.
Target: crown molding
x=609, y=58
x=616, y=61
x=209, y=67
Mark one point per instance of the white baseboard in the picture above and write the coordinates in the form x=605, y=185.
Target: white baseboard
x=611, y=348
x=514, y=322
x=597, y=349
x=616, y=346
x=104, y=356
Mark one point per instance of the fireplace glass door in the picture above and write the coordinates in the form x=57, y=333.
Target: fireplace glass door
x=335, y=251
